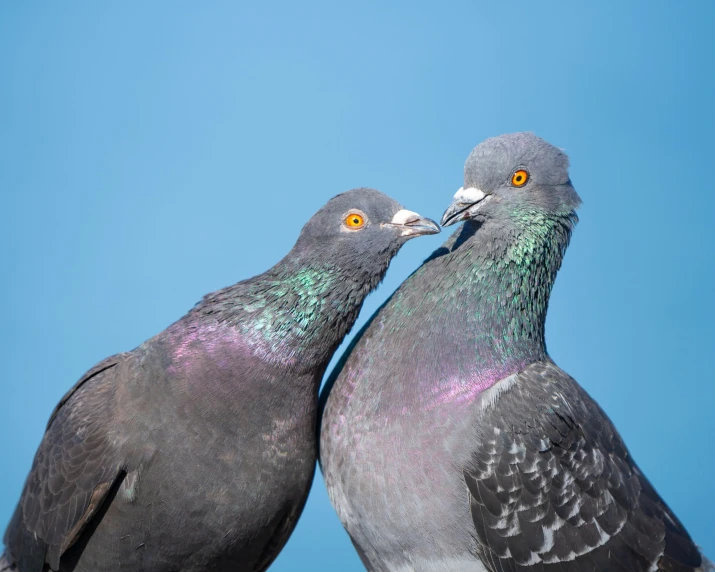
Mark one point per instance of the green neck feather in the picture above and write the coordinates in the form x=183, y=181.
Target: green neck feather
x=292, y=312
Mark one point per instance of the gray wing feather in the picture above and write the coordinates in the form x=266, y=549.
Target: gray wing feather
x=74, y=469
x=553, y=487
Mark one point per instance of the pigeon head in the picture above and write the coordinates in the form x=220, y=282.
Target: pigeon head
x=361, y=230
x=512, y=180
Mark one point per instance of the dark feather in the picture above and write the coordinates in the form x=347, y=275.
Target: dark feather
x=74, y=469
x=581, y=501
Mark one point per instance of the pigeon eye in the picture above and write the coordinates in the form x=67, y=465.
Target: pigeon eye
x=354, y=220
x=519, y=178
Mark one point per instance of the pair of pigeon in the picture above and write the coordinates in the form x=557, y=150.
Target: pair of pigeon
x=449, y=440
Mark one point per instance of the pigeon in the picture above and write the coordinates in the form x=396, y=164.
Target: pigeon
x=196, y=450
x=450, y=441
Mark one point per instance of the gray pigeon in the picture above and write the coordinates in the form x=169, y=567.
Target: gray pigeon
x=196, y=450
x=451, y=441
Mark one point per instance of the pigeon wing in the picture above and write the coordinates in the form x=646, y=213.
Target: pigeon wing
x=74, y=470
x=552, y=487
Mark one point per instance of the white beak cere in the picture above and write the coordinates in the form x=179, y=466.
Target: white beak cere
x=404, y=216
x=468, y=196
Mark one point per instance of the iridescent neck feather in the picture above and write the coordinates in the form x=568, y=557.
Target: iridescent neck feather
x=506, y=278
x=294, y=314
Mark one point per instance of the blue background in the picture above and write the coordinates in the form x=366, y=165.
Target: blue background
x=153, y=152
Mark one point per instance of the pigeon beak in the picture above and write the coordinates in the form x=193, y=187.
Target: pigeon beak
x=411, y=224
x=462, y=203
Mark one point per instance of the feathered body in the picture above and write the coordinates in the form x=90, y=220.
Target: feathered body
x=450, y=440
x=196, y=450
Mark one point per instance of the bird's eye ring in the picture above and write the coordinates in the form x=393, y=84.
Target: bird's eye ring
x=354, y=221
x=519, y=178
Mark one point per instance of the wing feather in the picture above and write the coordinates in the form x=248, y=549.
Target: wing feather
x=553, y=487
x=74, y=469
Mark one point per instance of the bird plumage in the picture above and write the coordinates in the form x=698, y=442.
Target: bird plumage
x=196, y=450
x=450, y=440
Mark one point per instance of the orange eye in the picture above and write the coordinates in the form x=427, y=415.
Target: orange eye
x=354, y=221
x=519, y=178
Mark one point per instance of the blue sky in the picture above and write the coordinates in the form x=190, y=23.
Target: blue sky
x=153, y=152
